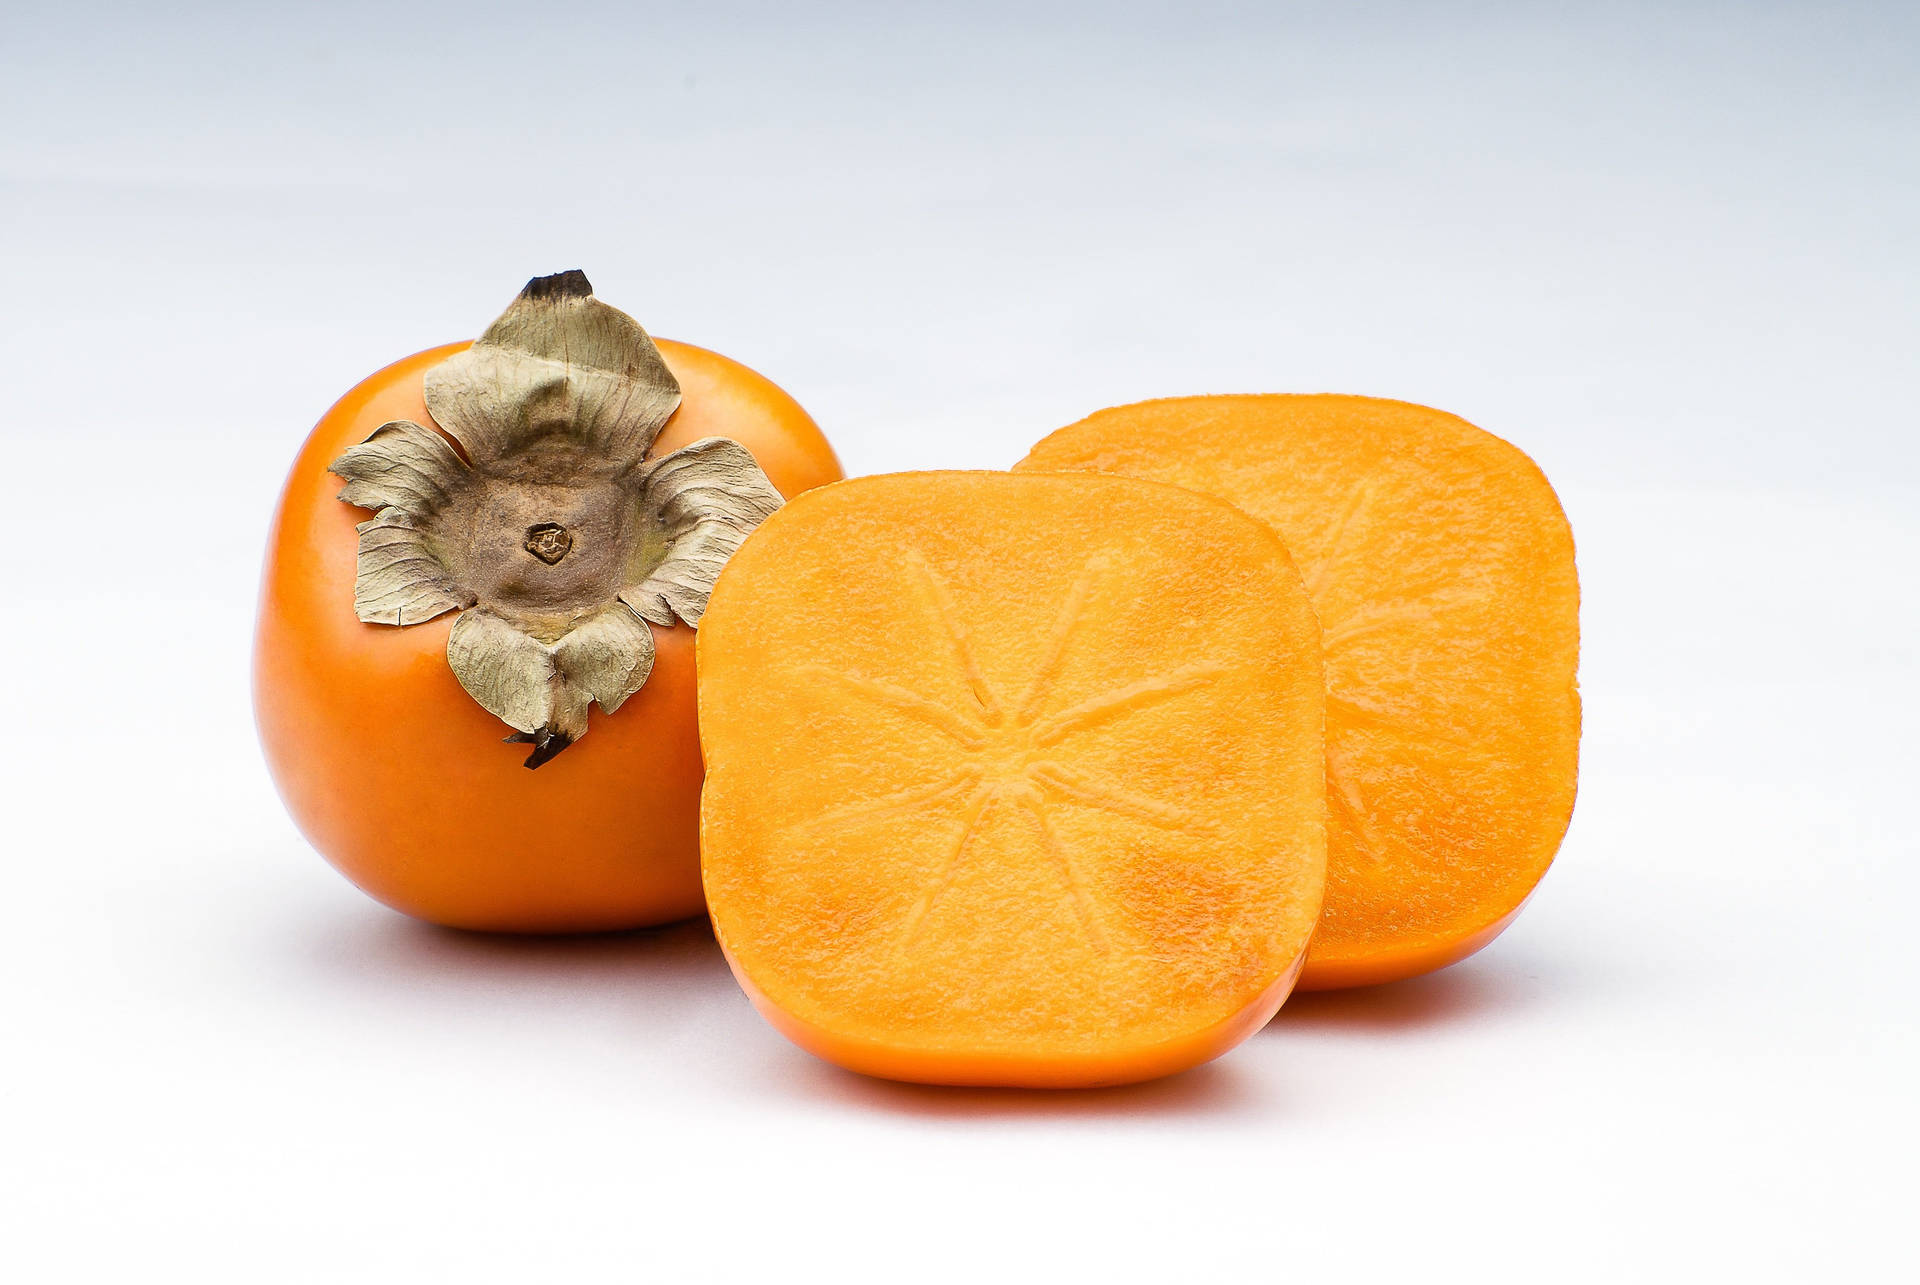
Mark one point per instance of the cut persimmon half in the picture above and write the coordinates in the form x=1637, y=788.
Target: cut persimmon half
x=1012, y=780
x=1441, y=566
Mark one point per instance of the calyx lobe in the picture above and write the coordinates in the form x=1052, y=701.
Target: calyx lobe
x=550, y=528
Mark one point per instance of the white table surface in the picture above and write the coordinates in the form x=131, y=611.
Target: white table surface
x=1671, y=254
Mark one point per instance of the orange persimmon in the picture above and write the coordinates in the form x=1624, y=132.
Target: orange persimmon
x=1012, y=780
x=1441, y=567
x=386, y=758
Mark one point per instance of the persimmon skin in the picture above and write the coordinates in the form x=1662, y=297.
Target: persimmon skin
x=1006, y=1071
x=1398, y=963
x=399, y=778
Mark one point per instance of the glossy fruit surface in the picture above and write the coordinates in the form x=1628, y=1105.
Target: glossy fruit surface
x=400, y=779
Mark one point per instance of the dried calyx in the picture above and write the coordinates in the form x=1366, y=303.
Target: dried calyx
x=553, y=535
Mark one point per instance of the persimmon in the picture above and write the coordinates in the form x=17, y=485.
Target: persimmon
x=488, y=539
x=1442, y=570
x=1012, y=780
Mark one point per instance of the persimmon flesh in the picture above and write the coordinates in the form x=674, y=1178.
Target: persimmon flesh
x=399, y=778
x=1441, y=567
x=1012, y=780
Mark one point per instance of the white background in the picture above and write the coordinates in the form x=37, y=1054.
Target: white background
x=1669, y=250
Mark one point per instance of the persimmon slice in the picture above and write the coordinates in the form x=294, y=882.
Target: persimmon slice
x=1441, y=566
x=1012, y=780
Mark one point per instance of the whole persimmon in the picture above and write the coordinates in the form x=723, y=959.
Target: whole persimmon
x=487, y=539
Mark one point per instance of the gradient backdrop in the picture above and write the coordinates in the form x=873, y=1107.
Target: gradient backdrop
x=1670, y=250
